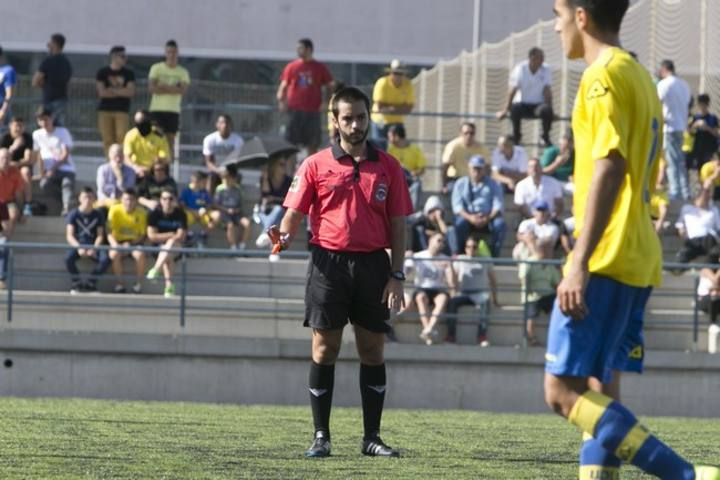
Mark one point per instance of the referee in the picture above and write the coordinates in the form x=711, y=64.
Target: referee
x=357, y=200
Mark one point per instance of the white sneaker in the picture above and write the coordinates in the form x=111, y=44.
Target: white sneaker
x=273, y=257
x=263, y=241
x=713, y=333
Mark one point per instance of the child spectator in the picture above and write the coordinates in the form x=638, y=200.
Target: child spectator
x=472, y=280
x=52, y=145
x=538, y=283
x=85, y=230
x=274, y=185
x=167, y=228
x=228, y=203
x=127, y=222
x=152, y=185
x=433, y=279
x=196, y=200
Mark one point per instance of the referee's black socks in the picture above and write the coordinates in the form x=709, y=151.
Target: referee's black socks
x=372, y=391
x=321, y=383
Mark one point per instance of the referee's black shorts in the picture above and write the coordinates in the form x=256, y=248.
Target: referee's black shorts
x=344, y=286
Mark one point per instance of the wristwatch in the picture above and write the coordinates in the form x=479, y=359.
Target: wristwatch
x=398, y=275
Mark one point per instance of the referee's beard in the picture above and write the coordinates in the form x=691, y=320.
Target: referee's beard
x=355, y=138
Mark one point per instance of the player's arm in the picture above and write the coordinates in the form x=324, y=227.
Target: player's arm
x=604, y=188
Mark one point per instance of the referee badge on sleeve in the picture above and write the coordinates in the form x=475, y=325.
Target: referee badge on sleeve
x=381, y=192
x=295, y=185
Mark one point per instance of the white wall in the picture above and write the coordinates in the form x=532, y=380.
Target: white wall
x=419, y=31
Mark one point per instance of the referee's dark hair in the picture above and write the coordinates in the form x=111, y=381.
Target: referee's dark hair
x=349, y=95
x=606, y=14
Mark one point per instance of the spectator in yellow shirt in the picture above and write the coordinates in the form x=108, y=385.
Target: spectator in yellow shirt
x=127, y=222
x=393, y=98
x=711, y=171
x=410, y=157
x=457, y=153
x=143, y=145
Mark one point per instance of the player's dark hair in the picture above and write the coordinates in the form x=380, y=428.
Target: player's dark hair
x=58, y=39
x=117, y=49
x=130, y=191
x=607, y=14
x=307, y=43
x=668, y=65
x=171, y=43
x=349, y=95
x=704, y=98
x=398, y=129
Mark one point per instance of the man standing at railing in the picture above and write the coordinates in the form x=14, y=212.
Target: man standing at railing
x=530, y=95
x=115, y=85
x=596, y=324
x=300, y=95
x=358, y=200
x=393, y=98
x=168, y=82
x=53, y=76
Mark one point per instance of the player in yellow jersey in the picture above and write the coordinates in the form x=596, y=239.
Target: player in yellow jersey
x=596, y=325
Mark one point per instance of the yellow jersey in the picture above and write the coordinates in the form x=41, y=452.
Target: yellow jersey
x=708, y=170
x=456, y=154
x=169, y=77
x=127, y=227
x=385, y=91
x=617, y=109
x=144, y=150
x=410, y=157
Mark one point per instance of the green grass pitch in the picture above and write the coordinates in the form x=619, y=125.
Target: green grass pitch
x=90, y=439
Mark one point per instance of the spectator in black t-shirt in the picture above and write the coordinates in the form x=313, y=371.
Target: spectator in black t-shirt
x=19, y=144
x=704, y=125
x=152, y=185
x=115, y=86
x=53, y=77
x=84, y=230
x=167, y=227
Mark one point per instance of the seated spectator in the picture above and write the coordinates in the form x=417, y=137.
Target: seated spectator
x=558, y=161
x=530, y=95
x=410, y=157
x=113, y=177
x=218, y=146
x=52, y=145
x=536, y=230
x=274, y=185
x=509, y=163
x=704, y=126
x=699, y=225
x=126, y=225
x=144, y=145
x=538, y=283
x=12, y=188
x=166, y=228
x=228, y=204
x=430, y=222
x=472, y=280
x=659, y=204
x=710, y=174
x=393, y=97
x=85, y=230
x=196, y=200
x=20, y=145
x=456, y=154
x=433, y=279
x=152, y=185
x=477, y=203
x=538, y=186
x=708, y=301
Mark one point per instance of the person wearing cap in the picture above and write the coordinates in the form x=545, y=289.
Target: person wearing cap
x=393, y=98
x=52, y=144
x=300, y=95
x=538, y=227
x=430, y=222
x=477, y=203
x=457, y=152
x=358, y=201
x=537, y=186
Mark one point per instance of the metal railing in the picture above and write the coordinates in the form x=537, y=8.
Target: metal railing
x=189, y=284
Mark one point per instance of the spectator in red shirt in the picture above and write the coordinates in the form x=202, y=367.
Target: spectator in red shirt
x=12, y=187
x=358, y=201
x=300, y=94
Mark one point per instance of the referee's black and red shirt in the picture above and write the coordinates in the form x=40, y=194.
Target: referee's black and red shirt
x=350, y=204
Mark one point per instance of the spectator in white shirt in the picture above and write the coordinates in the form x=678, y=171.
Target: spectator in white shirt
x=509, y=163
x=218, y=145
x=537, y=186
x=52, y=145
x=534, y=230
x=530, y=95
x=675, y=96
x=699, y=225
